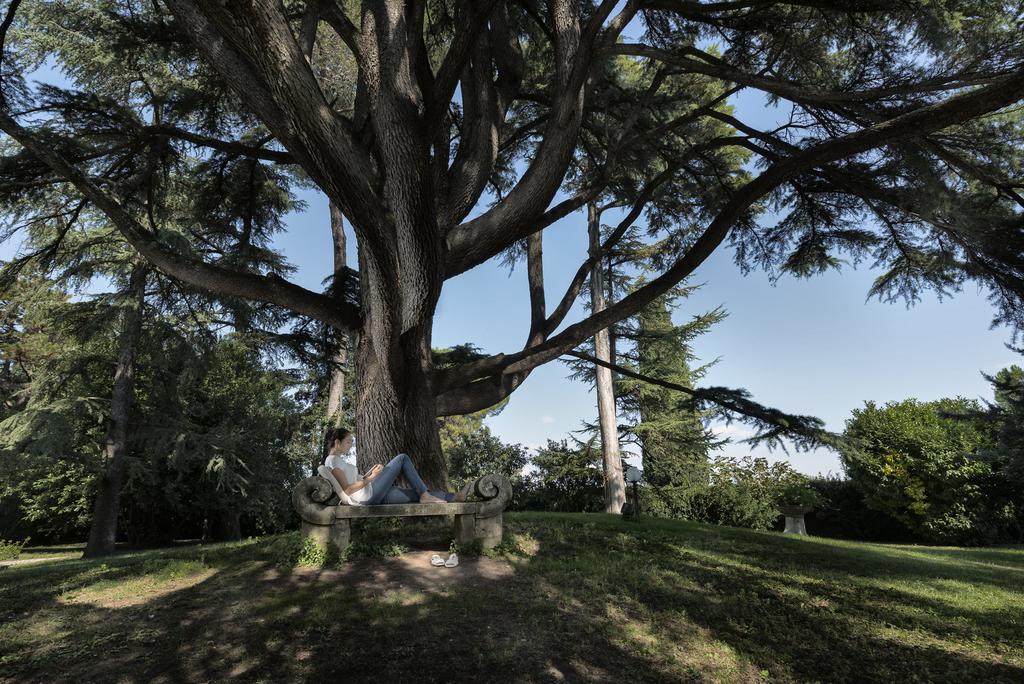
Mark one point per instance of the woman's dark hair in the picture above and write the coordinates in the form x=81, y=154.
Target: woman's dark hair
x=335, y=434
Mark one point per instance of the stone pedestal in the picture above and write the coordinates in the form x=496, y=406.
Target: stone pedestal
x=795, y=519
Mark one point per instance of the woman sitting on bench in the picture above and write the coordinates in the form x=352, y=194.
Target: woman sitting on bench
x=377, y=485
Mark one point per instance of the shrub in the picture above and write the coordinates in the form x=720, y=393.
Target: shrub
x=566, y=479
x=842, y=513
x=743, y=492
x=915, y=463
x=798, y=493
x=746, y=492
x=10, y=550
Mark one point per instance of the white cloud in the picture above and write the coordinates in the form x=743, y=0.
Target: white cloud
x=735, y=431
x=547, y=420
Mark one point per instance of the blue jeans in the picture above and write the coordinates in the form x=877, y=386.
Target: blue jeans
x=381, y=490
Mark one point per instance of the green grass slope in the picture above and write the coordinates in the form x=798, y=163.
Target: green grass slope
x=569, y=597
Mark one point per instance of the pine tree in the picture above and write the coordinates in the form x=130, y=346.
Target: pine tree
x=674, y=442
x=239, y=201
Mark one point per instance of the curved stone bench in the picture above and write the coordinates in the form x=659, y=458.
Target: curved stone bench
x=327, y=521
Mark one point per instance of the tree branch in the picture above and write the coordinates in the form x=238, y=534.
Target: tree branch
x=336, y=18
x=473, y=14
x=474, y=242
x=705, y=10
x=478, y=144
x=253, y=49
x=271, y=289
x=701, y=62
x=917, y=123
x=4, y=26
x=806, y=430
x=231, y=147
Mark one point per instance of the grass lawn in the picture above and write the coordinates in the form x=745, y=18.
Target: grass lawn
x=569, y=597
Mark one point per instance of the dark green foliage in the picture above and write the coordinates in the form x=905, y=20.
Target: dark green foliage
x=1006, y=416
x=228, y=447
x=842, y=513
x=477, y=453
x=1003, y=419
x=918, y=464
x=565, y=479
x=52, y=430
x=212, y=427
x=673, y=440
x=744, y=492
x=191, y=465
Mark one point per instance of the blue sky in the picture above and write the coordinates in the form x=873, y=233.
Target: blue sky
x=806, y=346
x=810, y=346
x=814, y=346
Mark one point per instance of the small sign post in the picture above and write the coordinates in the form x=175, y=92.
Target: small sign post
x=634, y=475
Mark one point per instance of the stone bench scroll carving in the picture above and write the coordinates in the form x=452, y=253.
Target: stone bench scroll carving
x=328, y=522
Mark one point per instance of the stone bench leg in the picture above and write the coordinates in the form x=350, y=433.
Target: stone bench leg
x=469, y=528
x=338, y=535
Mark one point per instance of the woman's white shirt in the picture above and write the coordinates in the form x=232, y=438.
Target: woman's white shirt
x=346, y=463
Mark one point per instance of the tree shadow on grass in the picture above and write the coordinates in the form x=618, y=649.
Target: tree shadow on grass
x=1001, y=569
x=581, y=607
x=806, y=629
x=371, y=621
x=807, y=613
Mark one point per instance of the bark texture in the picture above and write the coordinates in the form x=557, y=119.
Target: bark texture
x=336, y=387
x=400, y=257
x=103, y=532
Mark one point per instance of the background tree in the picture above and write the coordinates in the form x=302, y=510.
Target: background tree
x=891, y=152
x=746, y=492
x=1003, y=419
x=674, y=441
x=53, y=424
x=566, y=478
x=923, y=468
x=238, y=199
x=1006, y=415
x=212, y=427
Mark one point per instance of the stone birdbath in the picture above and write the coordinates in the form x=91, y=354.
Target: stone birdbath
x=795, y=518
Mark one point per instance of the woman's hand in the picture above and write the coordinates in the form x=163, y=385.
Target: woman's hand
x=373, y=472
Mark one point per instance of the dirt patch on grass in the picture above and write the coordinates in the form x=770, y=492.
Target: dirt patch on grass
x=29, y=561
x=410, y=571
x=134, y=592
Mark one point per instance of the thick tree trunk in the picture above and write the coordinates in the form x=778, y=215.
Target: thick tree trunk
x=614, y=485
x=225, y=525
x=396, y=411
x=336, y=387
x=103, y=532
x=401, y=254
